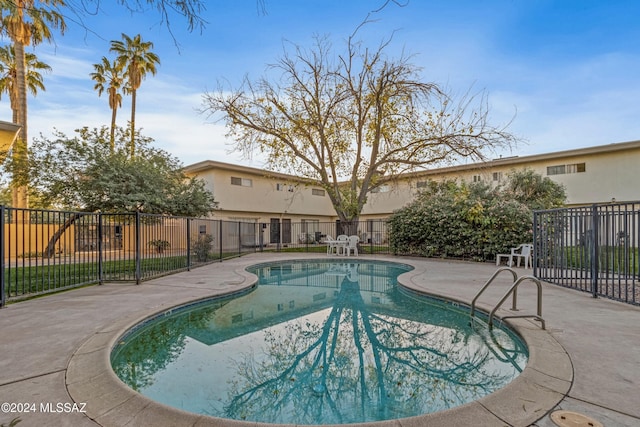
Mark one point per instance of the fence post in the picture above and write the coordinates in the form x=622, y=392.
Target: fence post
x=100, y=249
x=261, y=227
x=535, y=244
x=220, y=234
x=189, y=244
x=138, y=255
x=594, y=251
x=3, y=297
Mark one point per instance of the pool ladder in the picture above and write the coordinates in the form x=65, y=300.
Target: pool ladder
x=512, y=290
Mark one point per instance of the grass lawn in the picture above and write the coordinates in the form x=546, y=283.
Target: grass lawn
x=613, y=259
x=42, y=278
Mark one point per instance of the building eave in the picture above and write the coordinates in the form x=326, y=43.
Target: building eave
x=215, y=165
x=8, y=134
x=499, y=162
x=518, y=160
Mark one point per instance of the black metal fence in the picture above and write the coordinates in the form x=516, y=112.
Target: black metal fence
x=44, y=251
x=593, y=249
x=310, y=236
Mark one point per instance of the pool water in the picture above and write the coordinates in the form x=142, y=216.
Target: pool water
x=319, y=342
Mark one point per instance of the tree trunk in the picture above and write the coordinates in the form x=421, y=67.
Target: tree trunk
x=349, y=226
x=112, y=135
x=20, y=155
x=133, y=122
x=50, y=250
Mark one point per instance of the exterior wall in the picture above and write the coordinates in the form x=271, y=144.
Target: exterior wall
x=610, y=173
x=264, y=197
x=391, y=198
x=30, y=240
x=608, y=177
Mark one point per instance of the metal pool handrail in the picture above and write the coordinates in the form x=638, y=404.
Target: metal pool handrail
x=513, y=289
x=486, y=285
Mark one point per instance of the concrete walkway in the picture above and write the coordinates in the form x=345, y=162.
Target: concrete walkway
x=54, y=350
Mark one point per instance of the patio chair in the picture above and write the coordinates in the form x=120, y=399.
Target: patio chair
x=352, y=246
x=341, y=242
x=522, y=252
x=332, y=247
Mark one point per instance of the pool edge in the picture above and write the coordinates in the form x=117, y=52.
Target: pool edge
x=545, y=381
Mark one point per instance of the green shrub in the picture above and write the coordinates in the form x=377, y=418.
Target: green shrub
x=202, y=247
x=470, y=221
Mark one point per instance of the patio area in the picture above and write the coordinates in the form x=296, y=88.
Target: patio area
x=55, y=349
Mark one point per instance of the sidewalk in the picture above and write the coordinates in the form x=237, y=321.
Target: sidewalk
x=45, y=341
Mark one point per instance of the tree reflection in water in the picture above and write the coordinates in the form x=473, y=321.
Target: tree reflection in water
x=362, y=364
x=375, y=353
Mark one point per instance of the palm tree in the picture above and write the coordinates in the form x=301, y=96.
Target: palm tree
x=136, y=57
x=109, y=76
x=8, y=82
x=26, y=22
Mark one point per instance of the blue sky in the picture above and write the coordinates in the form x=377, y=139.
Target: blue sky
x=568, y=69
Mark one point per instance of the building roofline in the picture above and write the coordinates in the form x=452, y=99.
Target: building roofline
x=9, y=126
x=503, y=161
x=515, y=160
x=213, y=164
x=8, y=135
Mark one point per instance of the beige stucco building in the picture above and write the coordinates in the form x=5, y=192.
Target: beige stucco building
x=8, y=134
x=600, y=174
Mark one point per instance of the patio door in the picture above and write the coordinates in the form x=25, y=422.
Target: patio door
x=286, y=231
x=280, y=232
x=274, y=231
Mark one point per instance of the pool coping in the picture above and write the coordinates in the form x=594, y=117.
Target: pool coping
x=544, y=382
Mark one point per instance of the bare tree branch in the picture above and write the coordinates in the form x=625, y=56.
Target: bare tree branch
x=355, y=120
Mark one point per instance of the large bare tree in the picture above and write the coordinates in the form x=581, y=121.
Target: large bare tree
x=353, y=121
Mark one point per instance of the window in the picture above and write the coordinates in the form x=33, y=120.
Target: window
x=317, y=192
x=497, y=176
x=576, y=168
x=556, y=170
x=283, y=187
x=244, y=182
x=381, y=189
x=477, y=178
x=563, y=169
x=310, y=225
x=422, y=184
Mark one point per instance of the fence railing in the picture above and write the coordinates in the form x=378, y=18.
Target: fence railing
x=310, y=236
x=44, y=251
x=593, y=249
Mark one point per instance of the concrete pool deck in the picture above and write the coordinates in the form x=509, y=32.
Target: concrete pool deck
x=54, y=350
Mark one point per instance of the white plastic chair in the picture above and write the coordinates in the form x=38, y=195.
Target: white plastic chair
x=332, y=247
x=522, y=252
x=341, y=242
x=352, y=247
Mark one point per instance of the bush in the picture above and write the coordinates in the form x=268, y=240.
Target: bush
x=469, y=221
x=159, y=245
x=202, y=247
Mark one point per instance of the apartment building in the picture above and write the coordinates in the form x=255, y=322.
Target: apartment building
x=599, y=174
x=8, y=134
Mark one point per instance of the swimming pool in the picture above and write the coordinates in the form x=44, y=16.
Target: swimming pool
x=318, y=342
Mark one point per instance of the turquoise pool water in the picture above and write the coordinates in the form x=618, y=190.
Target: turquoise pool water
x=318, y=342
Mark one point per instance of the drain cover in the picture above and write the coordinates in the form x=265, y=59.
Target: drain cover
x=573, y=419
